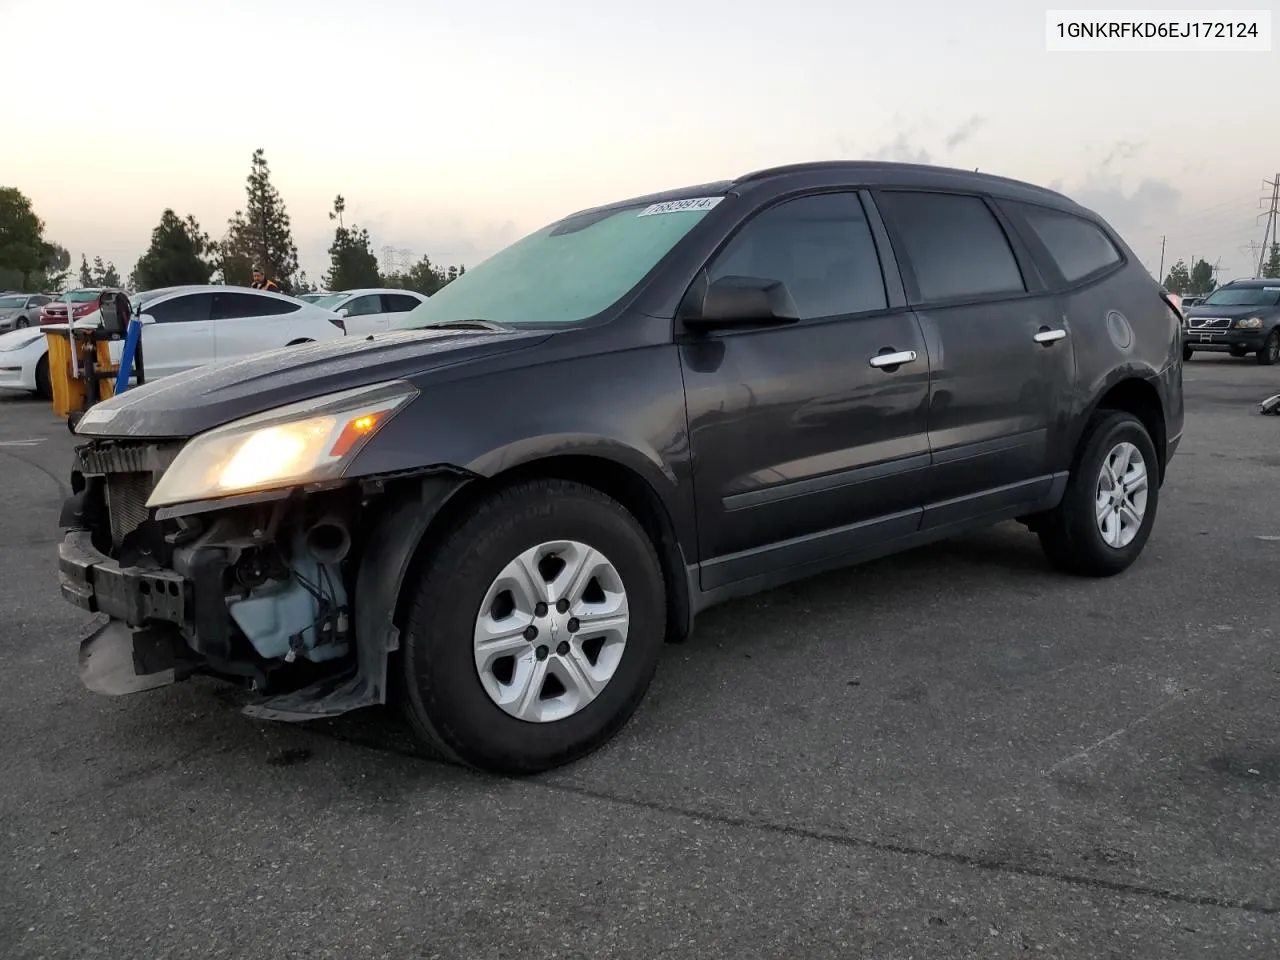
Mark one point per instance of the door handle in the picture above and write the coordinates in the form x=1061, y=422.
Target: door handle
x=1047, y=336
x=893, y=359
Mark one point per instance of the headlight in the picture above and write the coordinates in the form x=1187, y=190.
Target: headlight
x=20, y=344
x=300, y=443
x=1253, y=323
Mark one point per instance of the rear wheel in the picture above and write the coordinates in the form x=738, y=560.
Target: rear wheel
x=535, y=629
x=1270, y=351
x=1107, y=512
x=44, y=387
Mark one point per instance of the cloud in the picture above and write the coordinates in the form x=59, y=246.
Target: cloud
x=902, y=150
x=1128, y=208
x=964, y=132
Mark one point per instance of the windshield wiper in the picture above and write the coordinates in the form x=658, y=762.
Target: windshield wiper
x=468, y=325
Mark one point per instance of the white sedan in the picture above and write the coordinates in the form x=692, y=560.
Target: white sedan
x=184, y=327
x=370, y=310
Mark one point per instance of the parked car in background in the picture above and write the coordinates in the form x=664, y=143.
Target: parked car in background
x=21, y=310
x=763, y=379
x=184, y=327
x=370, y=310
x=81, y=302
x=313, y=297
x=1192, y=301
x=1241, y=317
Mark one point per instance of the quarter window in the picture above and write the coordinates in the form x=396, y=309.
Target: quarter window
x=954, y=245
x=1078, y=247
x=820, y=247
x=398, y=302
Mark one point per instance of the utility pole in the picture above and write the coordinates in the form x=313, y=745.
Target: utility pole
x=1269, y=229
x=1161, y=276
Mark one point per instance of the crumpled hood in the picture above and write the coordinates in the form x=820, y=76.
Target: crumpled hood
x=185, y=404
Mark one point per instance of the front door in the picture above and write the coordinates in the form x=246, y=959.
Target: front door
x=365, y=315
x=805, y=445
x=1000, y=356
x=181, y=336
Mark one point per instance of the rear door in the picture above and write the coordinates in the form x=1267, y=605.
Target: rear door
x=805, y=444
x=999, y=349
x=180, y=336
x=246, y=323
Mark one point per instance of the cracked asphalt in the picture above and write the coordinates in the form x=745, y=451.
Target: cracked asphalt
x=951, y=753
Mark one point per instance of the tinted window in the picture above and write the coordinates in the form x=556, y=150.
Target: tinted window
x=398, y=302
x=182, y=309
x=954, y=245
x=363, y=306
x=1077, y=246
x=234, y=306
x=820, y=247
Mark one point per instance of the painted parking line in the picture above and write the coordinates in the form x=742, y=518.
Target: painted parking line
x=21, y=443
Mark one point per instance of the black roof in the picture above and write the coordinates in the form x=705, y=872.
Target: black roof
x=1253, y=282
x=865, y=171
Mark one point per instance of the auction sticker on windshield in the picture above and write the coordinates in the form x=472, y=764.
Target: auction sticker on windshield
x=680, y=206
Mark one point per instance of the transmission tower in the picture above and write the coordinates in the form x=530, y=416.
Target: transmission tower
x=1270, y=230
x=396, y=259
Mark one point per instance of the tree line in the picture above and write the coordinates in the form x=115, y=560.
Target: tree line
x=180, y=252
x=1198, y=280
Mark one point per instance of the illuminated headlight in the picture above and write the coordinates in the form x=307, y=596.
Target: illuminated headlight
x=1253, y=323
x=300, y=443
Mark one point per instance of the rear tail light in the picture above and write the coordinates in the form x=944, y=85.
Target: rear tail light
x=1175, y=304
x=339, y=323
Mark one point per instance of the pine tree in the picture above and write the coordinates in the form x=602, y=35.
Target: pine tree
x=352, y=264
x=86, y=275
x=1271, y=269
x=180, y=253
x=260, y=235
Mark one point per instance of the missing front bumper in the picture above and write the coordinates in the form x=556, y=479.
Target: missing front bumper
x=93, y=581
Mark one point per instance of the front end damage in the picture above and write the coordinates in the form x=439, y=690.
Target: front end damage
x=282, y=591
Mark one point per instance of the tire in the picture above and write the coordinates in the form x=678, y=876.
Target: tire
x=1270, y=351
x=21, y=323
x=44, y=386
x=1186, y=354
x=449, y=705
x=1070, y=534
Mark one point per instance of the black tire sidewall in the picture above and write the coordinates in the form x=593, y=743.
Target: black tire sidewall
x=441, y=678
x=44, y=386
x=1095, y=552
x=1268, y=348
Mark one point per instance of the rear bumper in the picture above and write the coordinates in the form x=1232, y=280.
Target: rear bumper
x=94, y=582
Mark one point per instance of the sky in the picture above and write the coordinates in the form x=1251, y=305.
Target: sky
x=454, y=128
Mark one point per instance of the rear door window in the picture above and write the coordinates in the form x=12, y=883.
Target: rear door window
x=952, y=244
x=820, y=246
x=1079, y=248
x=398, y=302
x=237, y=306
x=363, y=306
x=187, y=308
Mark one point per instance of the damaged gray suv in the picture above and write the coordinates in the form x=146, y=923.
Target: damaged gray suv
x=496, y=514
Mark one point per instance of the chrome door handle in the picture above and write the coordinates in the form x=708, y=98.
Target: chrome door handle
x=893, y=359
x=1050, y=336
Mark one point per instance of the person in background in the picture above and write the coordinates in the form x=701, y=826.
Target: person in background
x=260, y=282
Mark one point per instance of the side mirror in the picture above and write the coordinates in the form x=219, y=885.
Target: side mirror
x=115, y=310
x=146, y=318
x=738, y=302
x=342, y=313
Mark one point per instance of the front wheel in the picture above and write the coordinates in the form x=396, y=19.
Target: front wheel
x=1106, y=514
x=1186, y=354
x=1270, y=351
x=535, y=629
x=22, y=323
x=44, y=386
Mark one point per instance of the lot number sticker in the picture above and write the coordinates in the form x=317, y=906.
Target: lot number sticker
x=693, y=204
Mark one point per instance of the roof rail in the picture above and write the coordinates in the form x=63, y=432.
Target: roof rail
x=885, y=165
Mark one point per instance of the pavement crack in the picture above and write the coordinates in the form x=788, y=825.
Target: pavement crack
x=1115, y=734
x=878, y=846
x=943, y=856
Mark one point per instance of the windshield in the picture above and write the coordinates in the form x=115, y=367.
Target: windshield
x=563, y=273
x=81, y=296
x=1244, y=297
x=329, y=302
x=12, y=303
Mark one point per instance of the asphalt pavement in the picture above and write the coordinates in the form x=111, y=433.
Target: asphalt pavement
x=952, y=753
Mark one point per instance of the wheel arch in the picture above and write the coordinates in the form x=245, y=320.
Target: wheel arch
x=612, y=476
x=1138, y=396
